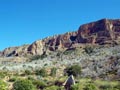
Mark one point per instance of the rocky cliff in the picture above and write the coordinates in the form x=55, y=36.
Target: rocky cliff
x=99, y=32
x=105, y=31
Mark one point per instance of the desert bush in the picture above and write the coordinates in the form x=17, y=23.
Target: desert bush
x=53, y=71
x=3, y=74
x=36, y=57
x=90, y=86
x=3, y=85
x=39, y=84
x=67, y=52
x=54, y=88
x=75, y=87
x=28, y=72
x=107, y=87
x=23, y=85
x=42, y=72
x=117, y=87
x=13, y=79
x=31, y=78
x=74, y=70
x=60, y=81
x=88, y=49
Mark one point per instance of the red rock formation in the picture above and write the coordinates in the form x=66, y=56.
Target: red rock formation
x=99, y=32
x=104, y=31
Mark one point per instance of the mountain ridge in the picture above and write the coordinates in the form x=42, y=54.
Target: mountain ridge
x=101, y=32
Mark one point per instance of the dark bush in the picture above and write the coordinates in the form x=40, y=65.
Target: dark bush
x=3, y=74
x=54, y=88
x=39, y=84
x=42, y=72
x=90, y=86
x=74, y=70
x=88, y=49
x=36, y=57
x=28, y=72
x=13, y=79
x=23, y=85
x=53, y=71
x=106, y=87
x=117, y=86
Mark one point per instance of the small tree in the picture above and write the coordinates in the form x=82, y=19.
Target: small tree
x=23, y=85
x=74, y=70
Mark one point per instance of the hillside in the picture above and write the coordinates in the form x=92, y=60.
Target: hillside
x=95, y=47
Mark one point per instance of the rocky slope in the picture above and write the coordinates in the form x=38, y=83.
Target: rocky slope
x=105, y=31
x=95, y=46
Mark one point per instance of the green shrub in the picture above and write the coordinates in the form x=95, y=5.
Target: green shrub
x=13, y=79
x=53, y=71
x=3, y=74
x=42, y=72
x=31, y=78
x=106, y=87
x=75, y=87
x=28, y=72
x=39, y=84
x=54, y=88
x=117, y=87
x=90, y=86
x=3, y=85
x=88, y=49
x=67, y=52
x=36, y=57
x=74, y=70
x=23, y=85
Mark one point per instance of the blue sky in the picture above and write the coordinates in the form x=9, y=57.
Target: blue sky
x=24, y=21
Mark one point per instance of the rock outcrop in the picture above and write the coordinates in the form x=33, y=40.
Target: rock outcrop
x=14, y=51
x=99, y=32
x=36, y=48
x=105, y=31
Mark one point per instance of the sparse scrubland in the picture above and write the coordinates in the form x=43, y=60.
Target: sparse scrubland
x=94, y=68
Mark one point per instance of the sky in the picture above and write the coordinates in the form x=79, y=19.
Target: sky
x=24, y=21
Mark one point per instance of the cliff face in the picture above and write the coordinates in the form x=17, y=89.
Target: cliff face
x=36, y=48
x=105, y=31
x=99, y=32
x=52, y=43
